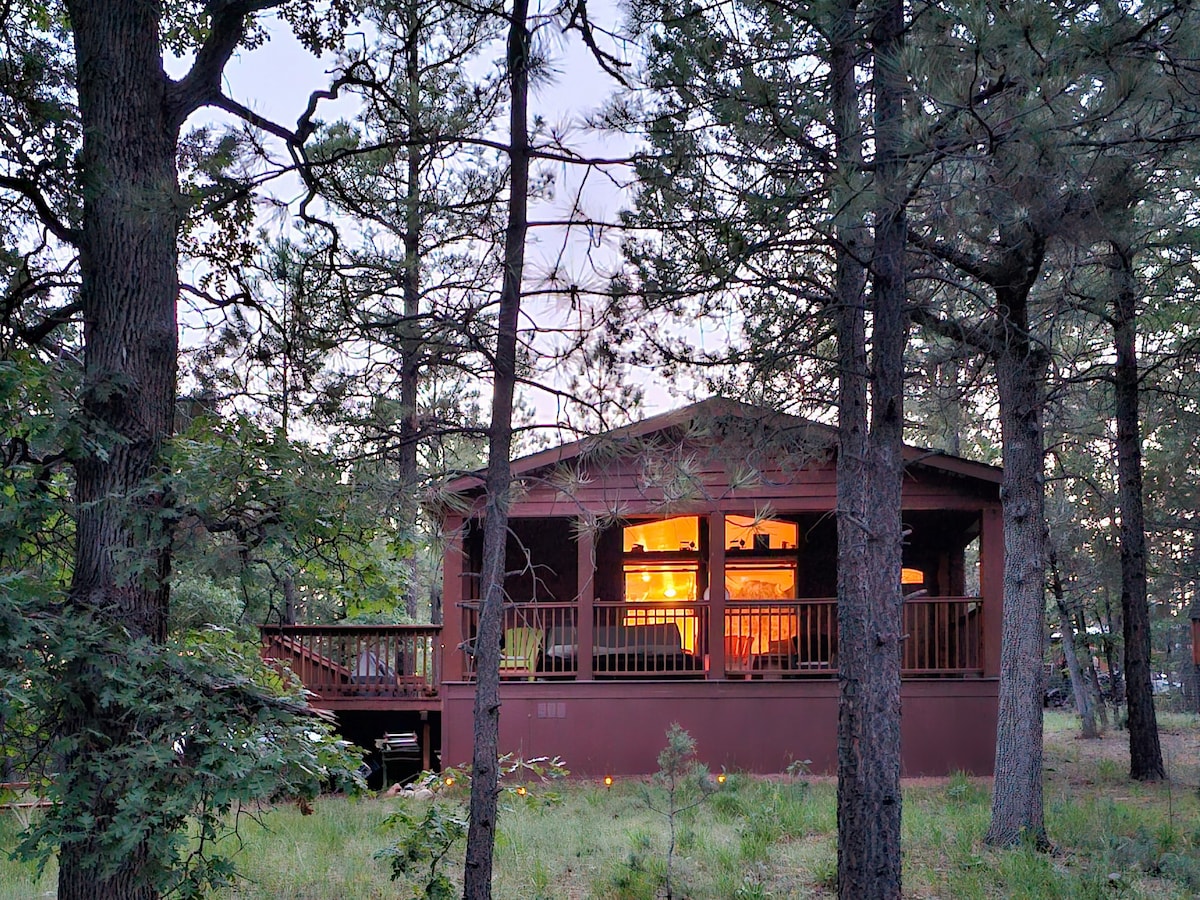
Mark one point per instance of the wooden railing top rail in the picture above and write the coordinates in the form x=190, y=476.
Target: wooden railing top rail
x=755, y=601
x=826, y=601
x=523, y=604
x=351, y=629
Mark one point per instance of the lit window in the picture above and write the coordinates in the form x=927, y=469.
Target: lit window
x=745, y=533
x=662, y=573
x=680, y=533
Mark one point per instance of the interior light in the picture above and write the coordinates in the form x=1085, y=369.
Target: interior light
x=669, y=592
x=645, y=576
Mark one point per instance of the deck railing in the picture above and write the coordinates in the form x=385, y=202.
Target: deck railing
x=943, y=636
x=763, y=639
x=537, y=639
x=649, y=639
x=355, y=661
x=799, y=638
x=781, y=637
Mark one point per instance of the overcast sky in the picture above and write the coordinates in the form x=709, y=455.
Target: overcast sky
x=276, y=80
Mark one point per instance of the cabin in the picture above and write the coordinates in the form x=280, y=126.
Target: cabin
x=684, y=569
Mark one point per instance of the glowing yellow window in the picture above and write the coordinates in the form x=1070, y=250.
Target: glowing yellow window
x=680, y=533
x=662, y=573
x=745, y=533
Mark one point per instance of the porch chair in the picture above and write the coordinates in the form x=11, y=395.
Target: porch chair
x=737, y=654
x=519, y=655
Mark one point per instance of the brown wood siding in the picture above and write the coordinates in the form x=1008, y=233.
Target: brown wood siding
x=617, y=729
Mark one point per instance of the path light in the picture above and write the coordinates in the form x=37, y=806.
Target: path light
x=521, y=791
x=448, y=781
x=721, y=778
x=608, y=781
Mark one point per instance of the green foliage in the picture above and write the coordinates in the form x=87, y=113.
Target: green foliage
x=640, y=875
x=262, y=510
x=962, y=789
x=201, y=729
x=683, y=784
x=35, y=526
x=422, y=846
x=514, y=776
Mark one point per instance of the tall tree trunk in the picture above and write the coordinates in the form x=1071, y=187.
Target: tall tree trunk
x=1079, y=687
x=1017, y=801
x=129, y=283
x=870, y=469
x=481, y=836
x=291, y=599
x=410, y=339
x=1116, y=683
x=1093, y=675
x=1145, y=753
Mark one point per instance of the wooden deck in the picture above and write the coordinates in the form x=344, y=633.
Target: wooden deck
x=361, y=667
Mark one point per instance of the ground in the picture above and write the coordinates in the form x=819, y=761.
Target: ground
x=763, y=838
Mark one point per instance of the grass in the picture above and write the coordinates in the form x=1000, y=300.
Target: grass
x=764, y=838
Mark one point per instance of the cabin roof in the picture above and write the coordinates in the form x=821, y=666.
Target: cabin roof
x=716, y=410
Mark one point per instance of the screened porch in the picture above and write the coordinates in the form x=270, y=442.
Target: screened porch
x=635, y=601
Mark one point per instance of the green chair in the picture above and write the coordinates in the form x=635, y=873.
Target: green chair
x=519, y=656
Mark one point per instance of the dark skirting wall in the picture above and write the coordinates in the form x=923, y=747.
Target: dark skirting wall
x=618, y=728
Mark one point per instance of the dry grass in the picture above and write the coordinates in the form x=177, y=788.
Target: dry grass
x=760, y=838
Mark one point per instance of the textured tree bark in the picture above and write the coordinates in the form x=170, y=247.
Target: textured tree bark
x=1017, y=801
x=129, y=283
x=1145, y=752
x=1079, y=687
x=481, y=835
x=869, y=470
x=130, y=113
x=410, y=340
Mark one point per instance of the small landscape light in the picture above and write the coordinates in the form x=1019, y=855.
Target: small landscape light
x=721, y=778
x=521, y=791
x=449, y=781
x=608, y=781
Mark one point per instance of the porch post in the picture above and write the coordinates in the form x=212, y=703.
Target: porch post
x=585, y=617
x=991, y=586
x=452, y=597
x=716, y=596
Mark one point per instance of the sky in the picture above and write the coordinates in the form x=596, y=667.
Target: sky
x=276, y=80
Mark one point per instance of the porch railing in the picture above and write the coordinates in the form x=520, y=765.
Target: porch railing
x=649, y=639
x=763, y=639
x=943, y=636
x=537, y=639
x=781, y=637
x=356, y=661
x=799, y=638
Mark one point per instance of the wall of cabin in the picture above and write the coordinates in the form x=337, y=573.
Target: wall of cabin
x=613, y=728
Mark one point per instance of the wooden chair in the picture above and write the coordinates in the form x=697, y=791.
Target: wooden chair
x=519, y=655
x=737, y=654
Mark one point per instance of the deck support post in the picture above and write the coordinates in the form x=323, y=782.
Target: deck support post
x=453, y=667
x=585, y=620
x=716, y=596
x=991, y=587
x=426, y=750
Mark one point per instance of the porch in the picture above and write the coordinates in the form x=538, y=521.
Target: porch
x=636, y=600
x=757, y=640
x=361, y=667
